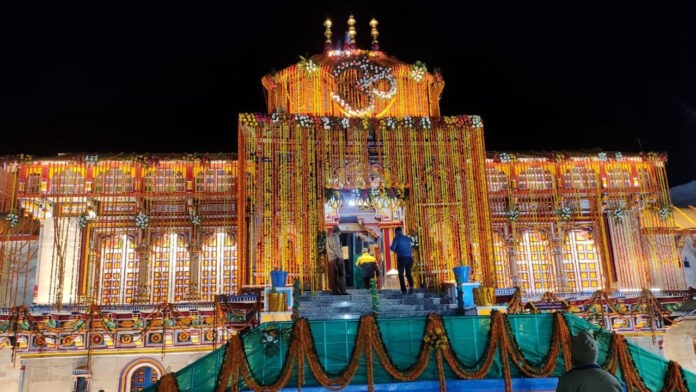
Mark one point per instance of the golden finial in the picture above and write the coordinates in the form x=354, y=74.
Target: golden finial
x=327, y=34
x=351, y=30
x=374, y=33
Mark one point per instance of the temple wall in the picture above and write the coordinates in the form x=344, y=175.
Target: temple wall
x=679, y=344
x=50, y=266
x=108, y=371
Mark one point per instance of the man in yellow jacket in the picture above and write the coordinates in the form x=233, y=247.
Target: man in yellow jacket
x=368, y=265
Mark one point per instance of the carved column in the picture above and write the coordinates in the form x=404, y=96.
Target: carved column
x=512, y=259
x=143, y=294
x=558, y=237
x=194, y=269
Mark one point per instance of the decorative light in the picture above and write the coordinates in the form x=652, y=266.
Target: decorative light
x=369, y=74
x=417, y=71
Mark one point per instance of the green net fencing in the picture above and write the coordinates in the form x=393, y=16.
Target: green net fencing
x=266, y=351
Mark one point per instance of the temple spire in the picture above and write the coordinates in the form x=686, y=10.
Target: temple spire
x=374, y=33
x=327, y=35
x=351, y=32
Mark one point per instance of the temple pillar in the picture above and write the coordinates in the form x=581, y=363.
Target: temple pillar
x=512, y=260
x=194, y=284
x=558, y=238
x=143, y=290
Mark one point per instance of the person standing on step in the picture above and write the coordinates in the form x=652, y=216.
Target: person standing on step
x=368, y=266
x=586, y=374
x=401, y=245
x=334, y=251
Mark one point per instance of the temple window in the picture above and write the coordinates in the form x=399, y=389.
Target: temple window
x=119, y=274
x=497, y=180
x=170, y=275
x=645, y=179
x=164, y=180
x=34, y=183
x=618, y=178
x=535, y=263
x=218, y=268
x=67, y=181
x=580, y=177
x=536, y=179
x=113, y=181
x=214, y=180
x=581, y=262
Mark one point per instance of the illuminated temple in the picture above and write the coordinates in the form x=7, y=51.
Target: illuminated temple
x=114, y=260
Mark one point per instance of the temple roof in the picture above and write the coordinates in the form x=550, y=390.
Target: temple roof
x=346, y=81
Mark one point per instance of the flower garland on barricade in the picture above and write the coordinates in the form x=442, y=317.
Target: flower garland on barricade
x=374, y=295
x=368, y=342
x=296, y=294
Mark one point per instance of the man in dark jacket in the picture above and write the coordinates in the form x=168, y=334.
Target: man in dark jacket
x=401, y=245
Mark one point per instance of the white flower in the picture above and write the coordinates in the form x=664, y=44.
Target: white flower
x=326, y=123
x=12, y=219
x=275, y=118
x=618, y=213
x=417, y=71
x=618, y=156
x=142, y=220
x=602, y=156
x=425, y=123
x=505, y=157
x=512, y=214
x=195, y=220
x=391, y=123
x=303, y=120
x=408, y=121
x=82, y=221
x=564, y=213
x=665, y=212
x=345, y=123
x=476, y=121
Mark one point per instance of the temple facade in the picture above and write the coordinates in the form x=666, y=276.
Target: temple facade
x=123, y=256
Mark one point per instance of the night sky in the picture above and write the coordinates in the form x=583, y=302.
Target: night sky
x=103, y=77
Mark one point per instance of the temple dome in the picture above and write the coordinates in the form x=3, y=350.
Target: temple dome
x=353, y=82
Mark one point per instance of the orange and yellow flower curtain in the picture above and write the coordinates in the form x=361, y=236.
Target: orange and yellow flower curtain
x=290, y=161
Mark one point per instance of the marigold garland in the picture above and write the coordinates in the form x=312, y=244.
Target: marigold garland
x=369, y=342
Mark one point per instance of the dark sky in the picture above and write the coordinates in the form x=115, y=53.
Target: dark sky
x=172, y=77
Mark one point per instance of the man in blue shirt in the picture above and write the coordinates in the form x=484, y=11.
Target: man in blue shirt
x=401, y=245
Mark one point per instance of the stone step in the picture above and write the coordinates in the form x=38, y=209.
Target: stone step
x=392, y=304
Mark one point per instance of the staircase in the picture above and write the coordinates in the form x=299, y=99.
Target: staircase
x=392, y=304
